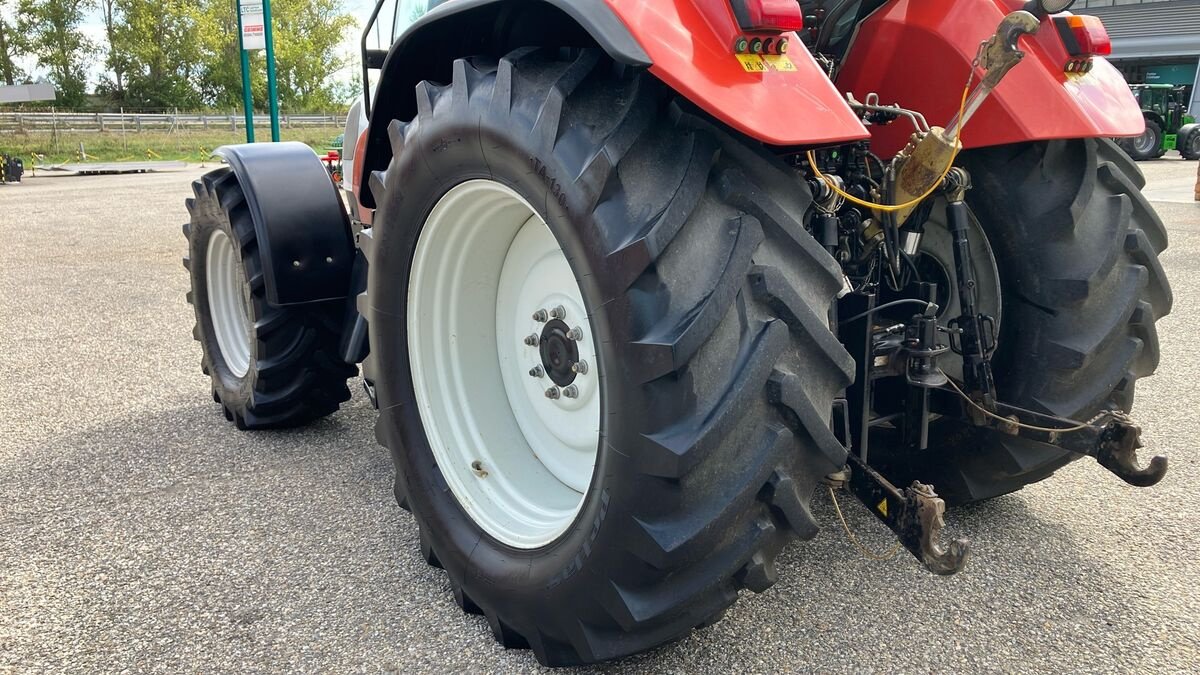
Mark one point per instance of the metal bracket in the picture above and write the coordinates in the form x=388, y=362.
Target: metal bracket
x=914, y=514
x=1112, y=438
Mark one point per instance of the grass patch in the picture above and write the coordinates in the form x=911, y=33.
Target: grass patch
x=111, y=146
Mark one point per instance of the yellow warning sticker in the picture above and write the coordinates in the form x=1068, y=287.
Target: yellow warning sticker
x=882, y=507
x=779, y=62
x=752, y=63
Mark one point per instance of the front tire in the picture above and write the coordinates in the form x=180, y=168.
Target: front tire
x=269, y=366
x=708, y=306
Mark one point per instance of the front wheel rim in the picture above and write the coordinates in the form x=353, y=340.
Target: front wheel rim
x=504, y=364
x=228, y=306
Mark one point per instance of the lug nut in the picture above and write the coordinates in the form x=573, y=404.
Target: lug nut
x=575, y=334
x=570, y=391
x=531, y=340
x=536, y=371
x=579, y=368
x=559, y=312
x=540, y=316
x=552, y=393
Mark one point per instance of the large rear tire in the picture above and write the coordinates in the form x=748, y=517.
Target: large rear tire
x=708, y=303
x=1076, y=245
x=269, y=366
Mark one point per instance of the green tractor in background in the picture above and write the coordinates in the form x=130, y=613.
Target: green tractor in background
x=1168, y=126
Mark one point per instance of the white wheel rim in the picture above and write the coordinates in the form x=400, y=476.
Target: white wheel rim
x=518, y=462
x=227, y=303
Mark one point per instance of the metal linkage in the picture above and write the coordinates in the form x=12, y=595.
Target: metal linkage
x=974, y=330
x=1112, y=438
x=914, y=514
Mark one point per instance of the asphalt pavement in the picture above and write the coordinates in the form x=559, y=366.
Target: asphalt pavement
x=139, y=532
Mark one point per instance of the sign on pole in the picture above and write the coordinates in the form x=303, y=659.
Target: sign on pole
x=254, y=25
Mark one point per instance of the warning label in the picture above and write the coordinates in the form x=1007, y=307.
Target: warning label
x=760, y=63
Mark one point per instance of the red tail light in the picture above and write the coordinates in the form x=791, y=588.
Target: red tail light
x=1083, y=36
x=775, y=16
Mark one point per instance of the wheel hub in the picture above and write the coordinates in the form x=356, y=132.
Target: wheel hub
x=560, y=354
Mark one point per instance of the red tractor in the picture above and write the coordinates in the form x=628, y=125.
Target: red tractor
x=628, y=280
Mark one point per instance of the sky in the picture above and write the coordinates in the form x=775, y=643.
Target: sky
x=93, y=27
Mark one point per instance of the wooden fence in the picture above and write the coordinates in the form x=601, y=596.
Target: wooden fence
x=65, y=122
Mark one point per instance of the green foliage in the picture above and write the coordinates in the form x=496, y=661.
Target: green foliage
x=307, y=36
x=12, y=44
x=158, y=42
x=163, y=54
x=51, y=29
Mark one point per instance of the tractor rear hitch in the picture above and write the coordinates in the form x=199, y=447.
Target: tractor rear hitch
x=914, y=514
x=1112, y=438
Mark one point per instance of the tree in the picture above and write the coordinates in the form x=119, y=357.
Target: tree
x=308, y=34
x=221, y=77
x=11, y=45
x=117, y=60
x=156, y=45
x=52, y=30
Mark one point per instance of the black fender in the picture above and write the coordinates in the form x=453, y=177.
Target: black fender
x=303, y=231
x=1152, y=116
x=1184, y=133
x=427, y=50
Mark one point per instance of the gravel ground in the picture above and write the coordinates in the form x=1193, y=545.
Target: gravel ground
x=140, y=532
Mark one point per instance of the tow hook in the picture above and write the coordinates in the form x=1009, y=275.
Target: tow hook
x=914, y=514
x=1112, y=438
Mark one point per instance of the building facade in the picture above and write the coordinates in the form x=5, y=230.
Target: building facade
x=1154, y=41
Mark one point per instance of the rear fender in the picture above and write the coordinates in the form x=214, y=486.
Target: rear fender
x=918, y=53
x=789, y=102
x=688, y=44
x=303, y=233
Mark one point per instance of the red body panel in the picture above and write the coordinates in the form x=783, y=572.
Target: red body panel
x=691, y=45
x=918, y=53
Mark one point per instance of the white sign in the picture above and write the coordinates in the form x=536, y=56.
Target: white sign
x=254, y=27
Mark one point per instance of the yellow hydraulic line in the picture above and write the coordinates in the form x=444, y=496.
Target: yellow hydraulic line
x=812, y=160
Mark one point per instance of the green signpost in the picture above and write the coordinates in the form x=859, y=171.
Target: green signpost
x=272, y=91
x=255, y=33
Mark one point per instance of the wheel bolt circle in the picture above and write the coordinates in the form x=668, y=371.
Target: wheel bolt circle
x=559, y=312
x=579, y=368
x=541, y=316
x=531, y=340
x=570, y=391
x=536, y=371
x=575, y=334
x=552, y=393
